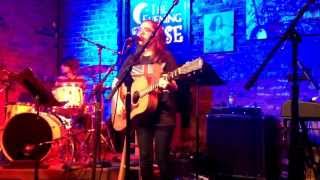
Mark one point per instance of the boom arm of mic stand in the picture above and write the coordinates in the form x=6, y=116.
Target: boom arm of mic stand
x=100, y=46
x=285, y=37
x=100, y=84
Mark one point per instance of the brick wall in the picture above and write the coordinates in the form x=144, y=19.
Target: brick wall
x=273, y=87
x=95, y=20
x=27, y=39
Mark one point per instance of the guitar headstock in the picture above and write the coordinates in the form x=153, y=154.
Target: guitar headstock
x=191, y=66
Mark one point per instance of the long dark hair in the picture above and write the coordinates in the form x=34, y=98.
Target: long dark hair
x=159, y=41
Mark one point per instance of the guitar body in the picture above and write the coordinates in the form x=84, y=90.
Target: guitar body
x=144, y=93
x=118, y=113
x=146, y=104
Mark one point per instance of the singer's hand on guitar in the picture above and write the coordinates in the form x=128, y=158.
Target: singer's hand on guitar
x=165, y=84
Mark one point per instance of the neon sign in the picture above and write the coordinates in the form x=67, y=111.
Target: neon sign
x=176, y=25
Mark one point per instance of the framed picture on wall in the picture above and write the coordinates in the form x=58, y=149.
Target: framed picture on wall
x=218, y=35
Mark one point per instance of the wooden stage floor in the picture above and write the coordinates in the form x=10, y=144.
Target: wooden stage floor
x=58, y=173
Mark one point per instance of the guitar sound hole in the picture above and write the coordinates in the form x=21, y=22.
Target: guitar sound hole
x=135, y=97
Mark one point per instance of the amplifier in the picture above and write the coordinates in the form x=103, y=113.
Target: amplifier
x=242, y=142
x=245, y=111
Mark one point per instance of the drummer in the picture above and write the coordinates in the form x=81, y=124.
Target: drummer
x=69, y=73
x=69, y=87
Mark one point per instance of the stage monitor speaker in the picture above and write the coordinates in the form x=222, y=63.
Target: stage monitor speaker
x=243, y=145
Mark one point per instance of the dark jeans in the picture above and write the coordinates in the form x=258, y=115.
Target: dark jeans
x=162, y=139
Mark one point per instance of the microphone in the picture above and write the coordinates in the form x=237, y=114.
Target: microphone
x=132, y=39
x=128, y=44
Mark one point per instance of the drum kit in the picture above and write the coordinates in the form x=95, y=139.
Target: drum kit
x=46, y=129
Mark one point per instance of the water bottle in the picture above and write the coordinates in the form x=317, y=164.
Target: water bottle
x=231, y=100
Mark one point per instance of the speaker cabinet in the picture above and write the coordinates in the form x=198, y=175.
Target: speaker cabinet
x=242, y=145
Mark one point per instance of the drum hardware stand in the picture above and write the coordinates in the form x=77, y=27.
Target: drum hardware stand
x=296, y=146
x=106, y=140
x=87, y=139
x=126, y=78
x=99, y=106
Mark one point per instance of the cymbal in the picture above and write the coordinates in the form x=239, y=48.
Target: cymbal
x=7, y=76
x=94, y=69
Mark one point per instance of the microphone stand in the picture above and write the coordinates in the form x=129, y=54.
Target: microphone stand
x=98, y=107
x=296, y=151
x=37, y=160
x=126, y=78
x=99, y=46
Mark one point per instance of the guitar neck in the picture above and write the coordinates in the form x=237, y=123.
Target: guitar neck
x=171, y=75
x=184, y=69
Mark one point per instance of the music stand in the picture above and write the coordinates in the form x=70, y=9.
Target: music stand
x=207, y=77
x=42, y=96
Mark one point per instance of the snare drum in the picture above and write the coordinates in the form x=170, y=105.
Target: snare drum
x=26, y=137
x=69, y=93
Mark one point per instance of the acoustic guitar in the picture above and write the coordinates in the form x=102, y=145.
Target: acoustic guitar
x=144, y=98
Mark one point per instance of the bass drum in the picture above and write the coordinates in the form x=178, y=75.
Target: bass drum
x=27, y=137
